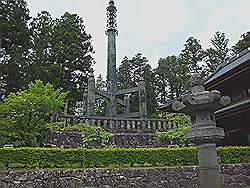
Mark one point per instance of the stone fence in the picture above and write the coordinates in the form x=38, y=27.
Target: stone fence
x=233, y=176
x=122, y=125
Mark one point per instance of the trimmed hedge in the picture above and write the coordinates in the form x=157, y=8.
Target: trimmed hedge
x=112, y=157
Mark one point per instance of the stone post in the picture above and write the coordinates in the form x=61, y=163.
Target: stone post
x=127, y=108
x=142, y=98
x=85, y=103
x=201, y=105
x=91, y=96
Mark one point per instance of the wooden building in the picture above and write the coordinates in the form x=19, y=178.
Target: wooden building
x=232, y=78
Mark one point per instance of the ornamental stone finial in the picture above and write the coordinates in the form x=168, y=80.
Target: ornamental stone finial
x=111, y=15
x=111, y=2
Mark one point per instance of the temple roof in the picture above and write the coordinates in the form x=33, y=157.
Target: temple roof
x=225, y=67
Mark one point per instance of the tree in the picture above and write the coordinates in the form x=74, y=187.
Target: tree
x=243, y=43
x=193, y=54
x=129, y=73
x=172, y=78
x=14, y=43
x=124, y=74
x=218, y=53
x=25, y=114
x=61, y=53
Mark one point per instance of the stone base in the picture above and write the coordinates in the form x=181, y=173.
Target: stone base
x=69, y=139
x=233, y=176
x=136, y=140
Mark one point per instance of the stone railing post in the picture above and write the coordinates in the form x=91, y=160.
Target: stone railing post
x=127, y=108
x=200, y=105
x=91, y=96
x=164, y=124
x=142, y=98
x=128, y=125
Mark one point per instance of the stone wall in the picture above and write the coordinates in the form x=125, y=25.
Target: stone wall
x=234, y=176
x=73, y=139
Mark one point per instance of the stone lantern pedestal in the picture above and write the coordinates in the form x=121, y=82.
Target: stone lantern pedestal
x=201, y=105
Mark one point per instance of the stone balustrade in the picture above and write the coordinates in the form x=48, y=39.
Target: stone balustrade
x=122, y=125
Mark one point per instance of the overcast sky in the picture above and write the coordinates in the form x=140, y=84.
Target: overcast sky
x=155, y=28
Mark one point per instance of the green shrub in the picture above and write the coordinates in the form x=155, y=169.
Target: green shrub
x=23, y=115
x=112, y=157
x=178, y=134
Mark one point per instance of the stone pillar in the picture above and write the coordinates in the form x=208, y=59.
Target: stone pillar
x=127, y=108
x=111, y=68
x=91, y=96
x=142, y=98
x=201, y=105
x=84, y=103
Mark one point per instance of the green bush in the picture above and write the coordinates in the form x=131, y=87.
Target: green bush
x=23, y=115
x=177, y=134
x=112, y=157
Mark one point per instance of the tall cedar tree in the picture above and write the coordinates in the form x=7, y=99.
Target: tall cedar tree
x=193, y=54
x=218, y=53
x=128, y=76
x=172, y=78
x=14, y=42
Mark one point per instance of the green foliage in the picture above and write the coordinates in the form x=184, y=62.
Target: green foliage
x=91, y=133
x=56, y=51
x=218, y=53
x=129, y=73
x=14, y=42
x=193, y=54
x=172, y=78
x=112, y=157
x=61, y=52
x=243, y=43
x=25, y=114
x=179, y=133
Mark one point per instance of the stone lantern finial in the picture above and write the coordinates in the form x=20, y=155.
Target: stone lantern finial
x=197, y=83
x=196, y=80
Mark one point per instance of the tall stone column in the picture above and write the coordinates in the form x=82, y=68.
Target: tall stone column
x=111, y=68
x=142, y=98
x=201, y=105
x=91, y=96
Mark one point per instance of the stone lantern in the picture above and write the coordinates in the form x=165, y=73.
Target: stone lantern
x=200, y=105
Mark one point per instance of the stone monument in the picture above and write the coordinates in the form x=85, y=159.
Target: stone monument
x=111, y=95
x=201, y=105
